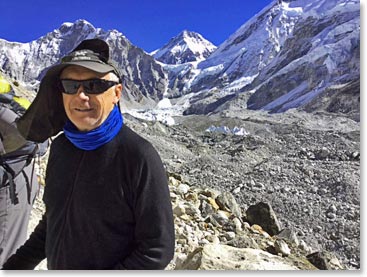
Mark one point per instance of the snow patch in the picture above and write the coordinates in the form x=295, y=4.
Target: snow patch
x=165, y=103
x=153, y=115
x=237, y=131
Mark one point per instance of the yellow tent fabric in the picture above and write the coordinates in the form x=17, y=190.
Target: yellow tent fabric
x=4, y=85
x=22, y=101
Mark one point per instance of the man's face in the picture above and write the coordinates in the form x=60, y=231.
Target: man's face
x=88, y=111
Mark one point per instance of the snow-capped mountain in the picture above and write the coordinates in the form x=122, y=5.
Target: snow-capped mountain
x=186, y=47
x=238, y=60
x=318, y=66
x=292, y=54
x=144, y=79
x=301, y=54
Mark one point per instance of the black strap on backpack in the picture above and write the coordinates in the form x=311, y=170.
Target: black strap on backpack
x=11, y=174
x=30, y=183
x=12, y=187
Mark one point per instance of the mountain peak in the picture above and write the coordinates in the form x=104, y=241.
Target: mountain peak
x=83, y=24
x=188, y=34
x=187, y=46
x=185, y=33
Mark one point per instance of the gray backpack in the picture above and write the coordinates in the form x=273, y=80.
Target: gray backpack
x=16, y=153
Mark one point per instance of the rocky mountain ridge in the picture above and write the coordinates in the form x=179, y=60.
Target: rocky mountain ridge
x=144, y=79
x=292, y=54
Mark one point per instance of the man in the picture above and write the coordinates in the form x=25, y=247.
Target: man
x=106, y=194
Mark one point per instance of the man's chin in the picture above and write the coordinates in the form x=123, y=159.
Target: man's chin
x=86, y=125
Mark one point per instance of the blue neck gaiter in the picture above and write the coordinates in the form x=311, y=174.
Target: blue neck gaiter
x=91, y=140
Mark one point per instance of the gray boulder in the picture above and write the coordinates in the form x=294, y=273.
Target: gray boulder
x=262, y=214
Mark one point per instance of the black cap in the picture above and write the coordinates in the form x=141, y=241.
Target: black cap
x=93, y=54
x=46, y=115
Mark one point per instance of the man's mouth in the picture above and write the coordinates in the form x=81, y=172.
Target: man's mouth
x=83, y=110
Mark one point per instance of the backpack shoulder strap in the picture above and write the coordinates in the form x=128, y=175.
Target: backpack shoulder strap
x=12, y=187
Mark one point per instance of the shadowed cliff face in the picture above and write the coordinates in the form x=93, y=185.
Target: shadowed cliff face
x=321, y=57
x=144, y=79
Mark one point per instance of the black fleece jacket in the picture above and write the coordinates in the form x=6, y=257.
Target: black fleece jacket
x=105, y=209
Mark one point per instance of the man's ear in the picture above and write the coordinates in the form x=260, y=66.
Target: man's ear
x=118, y=92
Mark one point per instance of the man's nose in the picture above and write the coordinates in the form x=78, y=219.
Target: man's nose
x=82, y=94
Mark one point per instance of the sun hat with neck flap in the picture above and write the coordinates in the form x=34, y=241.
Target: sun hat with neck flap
x=46, y=116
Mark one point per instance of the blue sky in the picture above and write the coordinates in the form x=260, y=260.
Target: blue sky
x=147, y=24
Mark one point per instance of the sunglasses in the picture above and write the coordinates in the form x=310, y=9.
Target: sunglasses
x=92, y=86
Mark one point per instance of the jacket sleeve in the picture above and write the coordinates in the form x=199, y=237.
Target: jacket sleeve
x=154, y=230
x=29, y=255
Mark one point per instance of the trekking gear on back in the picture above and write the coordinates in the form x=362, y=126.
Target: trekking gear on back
x=18, y=181
x=13, y=164
x=15, y=152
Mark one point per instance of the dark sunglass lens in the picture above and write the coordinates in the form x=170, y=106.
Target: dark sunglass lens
x=88, y=86
x=97, y=86
x=70, y=86
x=93, y=86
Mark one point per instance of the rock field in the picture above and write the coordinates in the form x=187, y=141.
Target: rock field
x=305, y=167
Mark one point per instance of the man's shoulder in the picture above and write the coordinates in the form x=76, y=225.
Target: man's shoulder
x=130, y=137
x=132, y=141
x=58, y=142
x=59, y=137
